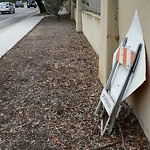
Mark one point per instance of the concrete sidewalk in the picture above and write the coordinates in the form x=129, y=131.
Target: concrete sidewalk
x=13, y=33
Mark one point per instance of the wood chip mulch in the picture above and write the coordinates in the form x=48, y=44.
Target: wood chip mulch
x=49, y=89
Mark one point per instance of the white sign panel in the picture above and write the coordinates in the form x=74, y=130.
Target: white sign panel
x=135, y=37
x=107, y=101
x=125, y=56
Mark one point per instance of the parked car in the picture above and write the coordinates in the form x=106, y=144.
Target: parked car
x=19, y=4
x=31, y=3
x=7, y=7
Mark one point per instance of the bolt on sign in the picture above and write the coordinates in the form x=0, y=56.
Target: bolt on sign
x=127, y=74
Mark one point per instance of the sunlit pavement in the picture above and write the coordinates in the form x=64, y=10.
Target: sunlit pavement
x=12, y=34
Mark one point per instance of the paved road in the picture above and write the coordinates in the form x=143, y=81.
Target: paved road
x=7, y=19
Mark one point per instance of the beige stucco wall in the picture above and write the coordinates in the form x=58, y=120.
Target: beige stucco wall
x=91, y=29
x=140, y=100
x=75, y=17
x=108, y=37
x=102, y=33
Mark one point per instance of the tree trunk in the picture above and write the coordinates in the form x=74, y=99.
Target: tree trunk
x=41, y=6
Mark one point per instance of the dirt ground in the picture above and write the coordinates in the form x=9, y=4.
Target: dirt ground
x=49, y=89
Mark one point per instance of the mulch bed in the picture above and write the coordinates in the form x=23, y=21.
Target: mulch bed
x=49, y=89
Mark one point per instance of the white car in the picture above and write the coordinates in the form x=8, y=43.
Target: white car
x=7, y=7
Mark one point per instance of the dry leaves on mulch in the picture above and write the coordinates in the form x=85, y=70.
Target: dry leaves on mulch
x=49, y=89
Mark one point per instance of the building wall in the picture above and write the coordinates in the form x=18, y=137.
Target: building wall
x=102, y=33
x=91, y=29
x=140, y=100
x=75, y=14
x=108, y=37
